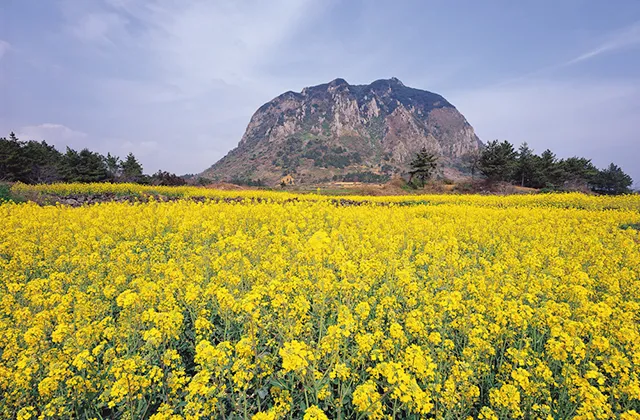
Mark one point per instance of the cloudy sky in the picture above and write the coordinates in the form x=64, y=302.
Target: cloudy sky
x=175, y=81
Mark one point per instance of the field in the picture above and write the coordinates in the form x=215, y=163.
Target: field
x=268, y=305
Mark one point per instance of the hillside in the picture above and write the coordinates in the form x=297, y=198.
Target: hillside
x=338, y=131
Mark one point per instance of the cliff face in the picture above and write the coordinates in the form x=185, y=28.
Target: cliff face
x=338, y=131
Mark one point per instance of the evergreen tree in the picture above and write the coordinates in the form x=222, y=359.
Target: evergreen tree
x=549, y=171
x=113, y=166
x=612, y=180
x=131, y=169
x=577, y=171
x=525, y=166
x=13, y=164
x=85, y=166
x=423, y=165
x=43, y=162
x=498, y=161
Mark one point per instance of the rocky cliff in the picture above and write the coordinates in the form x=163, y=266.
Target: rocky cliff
x=338, y=131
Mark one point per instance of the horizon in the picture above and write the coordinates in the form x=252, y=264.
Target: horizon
x=177, y=84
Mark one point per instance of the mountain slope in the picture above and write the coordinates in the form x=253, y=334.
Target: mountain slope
x=336, y=130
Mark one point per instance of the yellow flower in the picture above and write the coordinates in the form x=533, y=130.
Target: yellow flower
x=269, y=415
x=507, y=398
x=340, y=371
x=203, y=299
x=314, y=413
x=630, y=415
x=295, y=356
x=367, y=400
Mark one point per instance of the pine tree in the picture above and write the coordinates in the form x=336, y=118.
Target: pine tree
x=423, y=165
x=549, y=171
x=612, y=180
x=14, y=165
x=113, y=166
x=131, y=169
x=525, y=166
x=498, y=161
x=43, y=161
x=577, y=171
x=83, y=166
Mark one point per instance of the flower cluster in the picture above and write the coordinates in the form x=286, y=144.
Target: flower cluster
x=483, y=307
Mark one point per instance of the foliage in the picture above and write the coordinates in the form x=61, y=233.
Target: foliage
x=612, y=181
x=481, y=307
x=166, y=178
x=363, y=176
x=27, y=161
x=35, y=162
x=323, y=156
x=498, y=161
x=250, y=182
x=423, y=165
x=203, y=181
x=578, y=169
x=549, y=173
x=471, y=161
x=5, y=192
x=114, y=166
x=132, y=170
x=635, y=226
x=288, y=157
x=571, y=200
x=83, y=166
x=526, y=166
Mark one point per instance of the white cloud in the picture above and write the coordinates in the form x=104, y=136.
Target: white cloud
x=189, y=74
x=624, y=38
x=190, y=45
x=57, y=134
x=204, y=41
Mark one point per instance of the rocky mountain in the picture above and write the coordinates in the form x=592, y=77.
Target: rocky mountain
x=338, y=131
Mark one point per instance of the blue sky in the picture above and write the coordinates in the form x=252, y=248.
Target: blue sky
x=175, y=82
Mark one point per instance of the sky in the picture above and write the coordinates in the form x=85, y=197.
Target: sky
x=176, y=82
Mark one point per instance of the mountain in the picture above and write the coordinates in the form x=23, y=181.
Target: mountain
x=338, y=131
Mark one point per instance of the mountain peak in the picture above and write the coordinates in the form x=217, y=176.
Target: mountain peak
x=338, y=82
x=334, y=130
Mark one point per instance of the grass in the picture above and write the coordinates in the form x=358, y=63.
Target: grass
x=5, y=193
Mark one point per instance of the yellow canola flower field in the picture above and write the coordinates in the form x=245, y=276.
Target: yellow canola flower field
x=566, y=200
x=478, y=307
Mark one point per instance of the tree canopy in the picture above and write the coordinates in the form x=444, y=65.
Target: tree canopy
x=423, y=165
x=35, y=162
x=500, y=162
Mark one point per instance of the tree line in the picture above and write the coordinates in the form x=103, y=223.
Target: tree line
x=34, y=162
x=499, y=161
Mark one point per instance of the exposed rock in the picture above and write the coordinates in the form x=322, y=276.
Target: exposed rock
x=332, y=130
